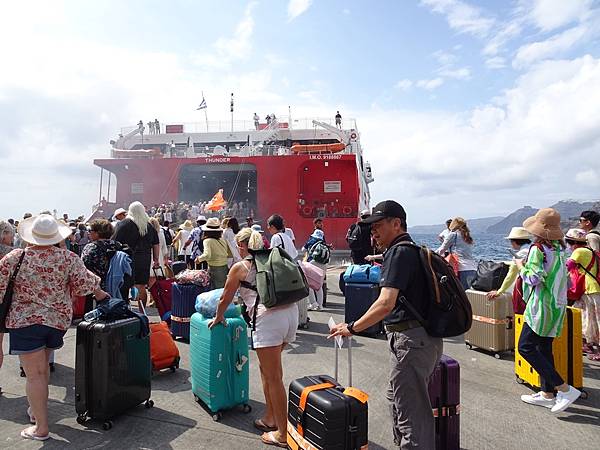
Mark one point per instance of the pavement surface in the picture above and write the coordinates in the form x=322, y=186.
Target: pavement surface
x=492, y=414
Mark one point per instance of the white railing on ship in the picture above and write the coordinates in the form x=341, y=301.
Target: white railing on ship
x=215, y=126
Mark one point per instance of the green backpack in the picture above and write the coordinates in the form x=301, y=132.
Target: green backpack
x=279, y=279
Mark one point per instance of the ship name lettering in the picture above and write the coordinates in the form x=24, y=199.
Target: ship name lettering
x=218, y=160
x=325, y=156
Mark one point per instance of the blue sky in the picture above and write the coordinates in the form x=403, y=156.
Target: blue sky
x=459, y=102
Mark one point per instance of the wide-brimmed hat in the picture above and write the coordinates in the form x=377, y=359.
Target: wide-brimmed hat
x=200, y=219
x=257, y=227
x=545, y=224
x=119, y=211
x=43, y=230
x=187, y=225
x=457, y=222
x=518, y=233
x=318, y=234
x=576, y=234
x=212, y=224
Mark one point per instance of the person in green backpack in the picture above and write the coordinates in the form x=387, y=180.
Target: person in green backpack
x=274, y=322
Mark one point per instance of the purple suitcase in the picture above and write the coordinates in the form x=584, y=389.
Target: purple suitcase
x=444, y=393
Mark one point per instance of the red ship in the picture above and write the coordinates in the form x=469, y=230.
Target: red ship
x=302, y=170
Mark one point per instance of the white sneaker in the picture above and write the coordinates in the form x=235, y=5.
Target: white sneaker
x=538, y=399
x=564, y=399
x=310, y=307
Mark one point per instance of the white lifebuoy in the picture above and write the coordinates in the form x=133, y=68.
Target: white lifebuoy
x=347, y=210
x=307, y=211
x=353, y=136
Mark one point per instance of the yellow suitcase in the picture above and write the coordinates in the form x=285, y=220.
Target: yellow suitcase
x=568, y=357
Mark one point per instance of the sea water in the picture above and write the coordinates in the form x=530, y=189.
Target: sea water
x=492, y=247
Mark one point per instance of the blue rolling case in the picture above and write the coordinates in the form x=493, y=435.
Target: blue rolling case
x=358, y=299
x=219, y=364
x=183, y=306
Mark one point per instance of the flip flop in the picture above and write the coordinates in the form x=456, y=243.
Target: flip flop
x=31, y=417
x=259, y=424
x=25, y=434
x=269, y=439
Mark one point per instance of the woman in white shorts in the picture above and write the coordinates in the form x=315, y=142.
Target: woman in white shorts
x=274, y=329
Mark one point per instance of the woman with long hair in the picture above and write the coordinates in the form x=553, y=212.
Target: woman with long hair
x=139, y=235
x=459, y=242
x=274, y=329
x=163, y=251
x=544, y=275
x=230, y=229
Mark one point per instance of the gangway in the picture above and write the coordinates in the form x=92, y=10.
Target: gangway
x=344, y=137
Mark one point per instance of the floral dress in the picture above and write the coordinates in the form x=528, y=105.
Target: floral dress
x=44, y=285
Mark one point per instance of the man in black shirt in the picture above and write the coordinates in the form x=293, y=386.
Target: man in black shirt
x=414, y=353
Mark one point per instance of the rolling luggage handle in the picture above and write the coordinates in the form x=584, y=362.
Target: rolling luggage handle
x=159, y=269
x=337, y=350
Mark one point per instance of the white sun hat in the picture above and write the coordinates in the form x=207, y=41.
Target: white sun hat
x=43, y=230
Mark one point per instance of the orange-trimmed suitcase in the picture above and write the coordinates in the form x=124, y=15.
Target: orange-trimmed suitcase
x=492, y=328
x=566, y=349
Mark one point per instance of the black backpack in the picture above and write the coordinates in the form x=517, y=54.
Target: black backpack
x=168, y=237
x=357, y=240
x=449, y=310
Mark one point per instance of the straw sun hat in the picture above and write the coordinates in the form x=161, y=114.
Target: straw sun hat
x=187, y=225
x=576, y=235
x=545, y=224
x=518, y=233
x=212, y=224
x=43, y=230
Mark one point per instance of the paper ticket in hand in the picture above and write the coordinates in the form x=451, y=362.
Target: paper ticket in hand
x=338, y=339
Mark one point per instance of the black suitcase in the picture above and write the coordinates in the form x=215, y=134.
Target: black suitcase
x=358, y=299
x=178, y=266
x=112, y=369
x=324, y=415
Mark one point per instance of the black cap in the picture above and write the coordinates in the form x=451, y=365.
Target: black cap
x=387, y=208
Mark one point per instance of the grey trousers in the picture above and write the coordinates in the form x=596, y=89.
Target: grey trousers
x=414, y=355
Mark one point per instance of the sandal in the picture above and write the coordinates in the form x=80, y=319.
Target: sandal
x=31, y=417
x=260, y=425
x=27, y=433
x=593, y=356
x=269, y=439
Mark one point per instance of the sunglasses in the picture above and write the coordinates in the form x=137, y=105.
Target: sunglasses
x=582, y=219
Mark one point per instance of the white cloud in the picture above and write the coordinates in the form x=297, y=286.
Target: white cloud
x=404, y=84
x=589, y=178
x=461, y=16
x=488, y=159
x=551, y=47
x=497, y=62
x=463, y=73
x=507, y=32
x=548, y=15
x=430, y=84
x=444, y=57
x=297, y=7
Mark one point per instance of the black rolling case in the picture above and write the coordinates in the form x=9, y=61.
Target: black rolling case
x=112, y=369
x=324, y=415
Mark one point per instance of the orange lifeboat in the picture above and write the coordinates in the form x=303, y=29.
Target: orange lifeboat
x=319, y=148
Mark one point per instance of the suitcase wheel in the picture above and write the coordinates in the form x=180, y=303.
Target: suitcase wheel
x=520, y=380
x=584, y=394
x=149, y=404
x=107, y=425
x=246, y=408
x=81, y=419
x=497, y=355
x=217, y=416
x=469, y=345
x=173, y=369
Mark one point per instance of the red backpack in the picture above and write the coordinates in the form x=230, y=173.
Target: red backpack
x=577, y=279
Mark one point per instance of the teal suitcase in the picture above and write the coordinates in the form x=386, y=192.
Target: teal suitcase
x=219, y=364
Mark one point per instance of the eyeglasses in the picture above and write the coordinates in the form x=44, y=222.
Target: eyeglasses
x=582, y=219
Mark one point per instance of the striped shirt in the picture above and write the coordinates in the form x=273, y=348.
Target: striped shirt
x=545, y=290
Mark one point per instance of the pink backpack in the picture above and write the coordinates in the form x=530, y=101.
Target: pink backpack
x=314, y=275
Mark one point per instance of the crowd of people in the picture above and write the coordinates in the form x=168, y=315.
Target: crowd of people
x=46, y=260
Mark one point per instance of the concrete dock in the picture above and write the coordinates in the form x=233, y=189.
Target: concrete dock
x=492, y=415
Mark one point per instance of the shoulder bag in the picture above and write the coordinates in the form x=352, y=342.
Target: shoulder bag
x=8, y=295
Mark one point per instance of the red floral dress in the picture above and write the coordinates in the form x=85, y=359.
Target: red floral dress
x=44, y=285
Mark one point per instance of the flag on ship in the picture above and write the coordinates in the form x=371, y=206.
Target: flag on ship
x=202, y=104
x=217, y=202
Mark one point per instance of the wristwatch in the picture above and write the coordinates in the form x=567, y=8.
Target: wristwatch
x=350, y=327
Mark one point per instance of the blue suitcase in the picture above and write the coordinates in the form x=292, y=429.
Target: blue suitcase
x=183, y=306
x=365, y=273
x=358, y=299
x=219, y=364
